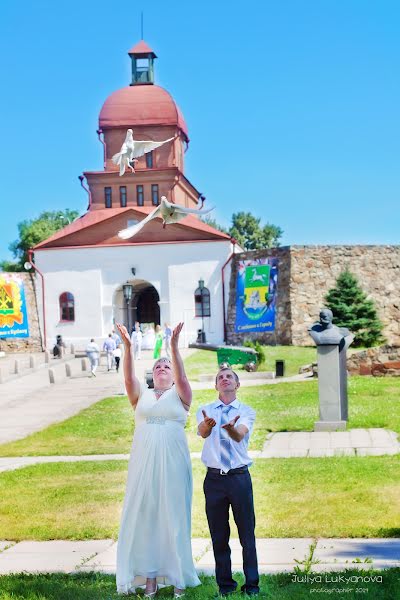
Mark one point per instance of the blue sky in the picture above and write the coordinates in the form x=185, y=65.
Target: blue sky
x=292, y=107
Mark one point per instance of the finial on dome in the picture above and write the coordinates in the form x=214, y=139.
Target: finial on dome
x=142, y=57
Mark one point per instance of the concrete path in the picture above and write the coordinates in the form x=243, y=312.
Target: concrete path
x=18, y=462
x=355, y=442
x=275, y=555
x=298, y=444
x=30, y=403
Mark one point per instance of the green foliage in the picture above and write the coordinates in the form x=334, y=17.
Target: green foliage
x=295, y=497
x=246, y=229
x=213, y=223
x=351, y=308
x=280, y=586
x=34, y=231
x=258, y=348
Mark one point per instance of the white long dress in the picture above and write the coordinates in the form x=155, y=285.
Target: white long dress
x=155, y=532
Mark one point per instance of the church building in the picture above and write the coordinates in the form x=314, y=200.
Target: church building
x=91, y=277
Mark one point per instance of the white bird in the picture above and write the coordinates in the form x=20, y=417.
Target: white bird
x=132, y=149
x=169, y=213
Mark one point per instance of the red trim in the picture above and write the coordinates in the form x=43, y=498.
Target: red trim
x=234, y=242
x=30, y=253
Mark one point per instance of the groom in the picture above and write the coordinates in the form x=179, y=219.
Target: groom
x=226, y=426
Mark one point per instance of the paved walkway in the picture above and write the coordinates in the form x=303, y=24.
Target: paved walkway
x=275, y=555
x=298, y=444
x=17, y=462
x=31, y=402
x=355, y=442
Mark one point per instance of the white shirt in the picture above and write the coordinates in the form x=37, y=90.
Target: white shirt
x=211, y=455
x=92, y=348
x=136, y=336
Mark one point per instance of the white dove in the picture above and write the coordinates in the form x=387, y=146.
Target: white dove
x=169, y=213
x=132, y=149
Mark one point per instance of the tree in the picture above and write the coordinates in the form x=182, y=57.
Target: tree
x=250, y=235
x=33, y=231
x=213, y=223
x=353, y=309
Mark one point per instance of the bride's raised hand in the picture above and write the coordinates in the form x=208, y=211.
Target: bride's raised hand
x=125, y=337
x=175, y=335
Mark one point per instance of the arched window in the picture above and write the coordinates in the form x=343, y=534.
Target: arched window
x=67, y=307
x=202, y=302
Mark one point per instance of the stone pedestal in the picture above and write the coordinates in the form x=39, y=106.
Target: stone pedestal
x=332, y=388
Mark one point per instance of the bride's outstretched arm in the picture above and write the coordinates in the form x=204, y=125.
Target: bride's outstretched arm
x=132, y=383
x=181, y=381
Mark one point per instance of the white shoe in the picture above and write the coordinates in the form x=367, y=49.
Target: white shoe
x=179, y=594
x=151, y=594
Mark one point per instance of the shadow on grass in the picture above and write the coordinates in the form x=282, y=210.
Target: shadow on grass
x=96, y=586
x=389, y=532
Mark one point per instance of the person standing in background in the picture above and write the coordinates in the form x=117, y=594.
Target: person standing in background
x=109, y=346
x=167, y=338
x=136, y=339
x=93, y=353
x=118, y=344
x=117, y=357
x=158, y=344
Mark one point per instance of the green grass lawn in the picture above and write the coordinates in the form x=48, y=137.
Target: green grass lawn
x=107, y=426
x=336, y=497
x=95, y=586
x=204, y=362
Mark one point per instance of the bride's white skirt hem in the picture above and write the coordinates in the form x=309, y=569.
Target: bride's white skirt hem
x=139, y=581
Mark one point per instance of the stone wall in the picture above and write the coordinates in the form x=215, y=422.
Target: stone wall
x=314, y=270
x=307, y=273
x=32, y=343
x=380, y=362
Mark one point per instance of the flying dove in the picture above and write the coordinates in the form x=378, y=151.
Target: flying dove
x=169, y=213
x=132, y=149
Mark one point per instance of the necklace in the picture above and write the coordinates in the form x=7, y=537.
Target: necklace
x=159, y=392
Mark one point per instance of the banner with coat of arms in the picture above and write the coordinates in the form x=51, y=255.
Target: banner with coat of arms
x=256, y=290
x=13, y=314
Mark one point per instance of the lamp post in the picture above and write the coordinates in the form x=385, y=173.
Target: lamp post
x=127, y=290
x=203, y=333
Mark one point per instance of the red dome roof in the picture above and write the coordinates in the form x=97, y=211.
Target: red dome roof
x=141, y=105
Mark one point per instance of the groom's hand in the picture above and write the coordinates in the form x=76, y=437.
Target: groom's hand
x=231, y=425
x=235, y=433
x=209, y=422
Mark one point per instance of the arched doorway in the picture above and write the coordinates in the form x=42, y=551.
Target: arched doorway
x=143, y=306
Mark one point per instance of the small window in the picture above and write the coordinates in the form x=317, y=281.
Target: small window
x=149, y=160
x=108, y=197
x=122, y=196
x=154, y=194
x=139, y=195
x=67, y=307
x=202, y=303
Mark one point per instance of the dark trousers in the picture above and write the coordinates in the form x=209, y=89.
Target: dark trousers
x=222, y=491
x=117, y=359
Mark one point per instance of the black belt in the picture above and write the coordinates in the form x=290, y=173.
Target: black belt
x=230, y=472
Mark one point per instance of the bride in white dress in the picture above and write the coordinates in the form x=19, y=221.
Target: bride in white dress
x=154, y=543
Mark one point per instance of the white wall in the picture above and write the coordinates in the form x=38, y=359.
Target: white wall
x=94, y=274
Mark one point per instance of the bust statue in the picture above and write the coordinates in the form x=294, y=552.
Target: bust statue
x=325, y=333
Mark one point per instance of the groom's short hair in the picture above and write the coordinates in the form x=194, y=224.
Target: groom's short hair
x=236, y=376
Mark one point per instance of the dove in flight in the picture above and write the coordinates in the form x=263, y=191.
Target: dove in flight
x=168, y=212
x=132, y=149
